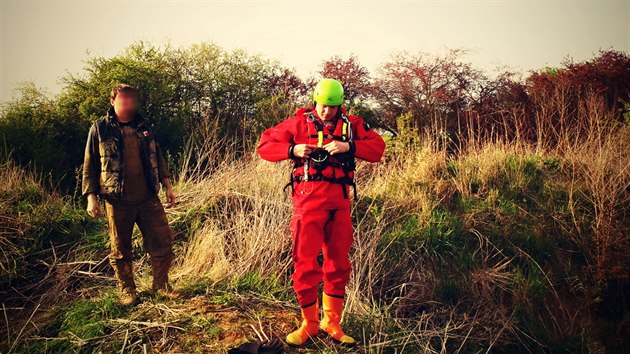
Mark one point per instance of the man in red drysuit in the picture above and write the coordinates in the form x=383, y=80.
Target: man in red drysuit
x=323, y=142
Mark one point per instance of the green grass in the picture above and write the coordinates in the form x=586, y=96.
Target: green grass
x=39, y=221
x=267, y=286
x=193, y=286
x=85, y=319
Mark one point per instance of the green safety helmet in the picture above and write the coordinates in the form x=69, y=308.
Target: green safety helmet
x=329, y=92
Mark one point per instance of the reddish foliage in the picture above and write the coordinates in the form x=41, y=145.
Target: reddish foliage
x=607, y=75
x=447, y=91
x=354, y=76
x=556, y=97
x=426, y=86
x=287, y=84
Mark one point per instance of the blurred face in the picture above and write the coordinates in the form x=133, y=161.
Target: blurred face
x=326, y=112
x=125, y=105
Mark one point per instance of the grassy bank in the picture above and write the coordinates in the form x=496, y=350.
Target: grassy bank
x=500, y=247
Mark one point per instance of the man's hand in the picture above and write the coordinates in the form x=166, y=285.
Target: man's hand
x=93, y=208
x=337, y=147
x=170, y=195
x=302, y=150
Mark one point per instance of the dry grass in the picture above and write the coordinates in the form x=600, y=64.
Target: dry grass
x=244, y=231
x=476, y=251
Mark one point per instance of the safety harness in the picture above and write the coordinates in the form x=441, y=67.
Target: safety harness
x=320, y=159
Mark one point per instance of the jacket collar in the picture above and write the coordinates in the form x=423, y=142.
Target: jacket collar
x=111, y=117
x=307, y=111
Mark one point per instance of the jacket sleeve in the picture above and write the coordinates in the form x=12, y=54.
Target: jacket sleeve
x=162, y=165
x=276, y=144
x=366, y=144
x=91, y=164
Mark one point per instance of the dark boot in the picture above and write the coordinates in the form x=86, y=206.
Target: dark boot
x=124, y=275
x=128, y=297
x=160, y=285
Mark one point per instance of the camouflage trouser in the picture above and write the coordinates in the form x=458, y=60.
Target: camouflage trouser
x=156, y=234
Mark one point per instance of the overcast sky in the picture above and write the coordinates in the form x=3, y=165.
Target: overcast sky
x=43, y=40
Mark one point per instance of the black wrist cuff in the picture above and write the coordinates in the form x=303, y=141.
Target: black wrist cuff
x=291, y=155
x=353, y=147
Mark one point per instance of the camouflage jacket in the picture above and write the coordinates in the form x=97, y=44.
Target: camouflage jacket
x=103, y=161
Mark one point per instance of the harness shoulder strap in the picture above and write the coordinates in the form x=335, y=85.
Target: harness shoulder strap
x=319, y=127
x=346, y=135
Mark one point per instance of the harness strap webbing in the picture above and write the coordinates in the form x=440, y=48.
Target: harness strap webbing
x=318, y=176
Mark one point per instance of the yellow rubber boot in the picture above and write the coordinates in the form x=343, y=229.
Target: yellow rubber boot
x=309, y=327
x=332, y=308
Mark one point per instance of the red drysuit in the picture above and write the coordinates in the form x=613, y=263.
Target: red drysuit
x=321, y=208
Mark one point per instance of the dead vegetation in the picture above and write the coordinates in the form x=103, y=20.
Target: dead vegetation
x=504, y=246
